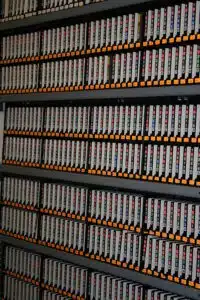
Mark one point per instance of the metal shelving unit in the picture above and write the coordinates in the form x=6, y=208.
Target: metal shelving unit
x=189, y=292
x=93, y=180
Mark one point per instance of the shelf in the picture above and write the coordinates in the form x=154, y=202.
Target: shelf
x=128, y=93
x=189, y=292
x=69, y=13
x=105, y=182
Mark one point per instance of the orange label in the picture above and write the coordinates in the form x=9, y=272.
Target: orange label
x=177, y=181
x=197, y=285
x=176, y=81
x=191, y=182
x=183, y=181
x=185, y=38
x=176, y=279
x=170, y=277
x=168, y=82
x=182, y=81
x=191, y=80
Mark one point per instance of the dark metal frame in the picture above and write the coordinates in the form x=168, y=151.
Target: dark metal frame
x=91, y=97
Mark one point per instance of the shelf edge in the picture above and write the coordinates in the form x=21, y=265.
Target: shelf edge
x=137, y=186
x=128, y=93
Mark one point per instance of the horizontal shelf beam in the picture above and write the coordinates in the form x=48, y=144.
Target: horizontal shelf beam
x=189, y=90
x=70, y=13
x=106, y=182
x=168, y=286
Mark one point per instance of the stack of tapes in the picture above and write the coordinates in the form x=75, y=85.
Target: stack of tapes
x=13, y=10
x=16, y=289
x=22, y=274
x=158, y=294
x=19, y=223
x=47, y=295
x=69, y=40
x=115, y=158
x=65, y=279
x=120, y=210
x=24, y=120
x=104, y=286
x=23, y=193
x=20, y=47
x=72, y=121
x=56, y=5
x=171, y=65
x=172, y=23
x=173, y=122
x=65, y=75
x=22, y=151
x=64, y=200
x=24, y=263
x=117, y=122
x=66, y=155
x=114, y=33
x=176, y=65
x=170, y=163
x=20, y=78
x=175, y=261
x=114, y=246
x=63, y=234
x=126, y=70
x=173, y=219
x=98, y=72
